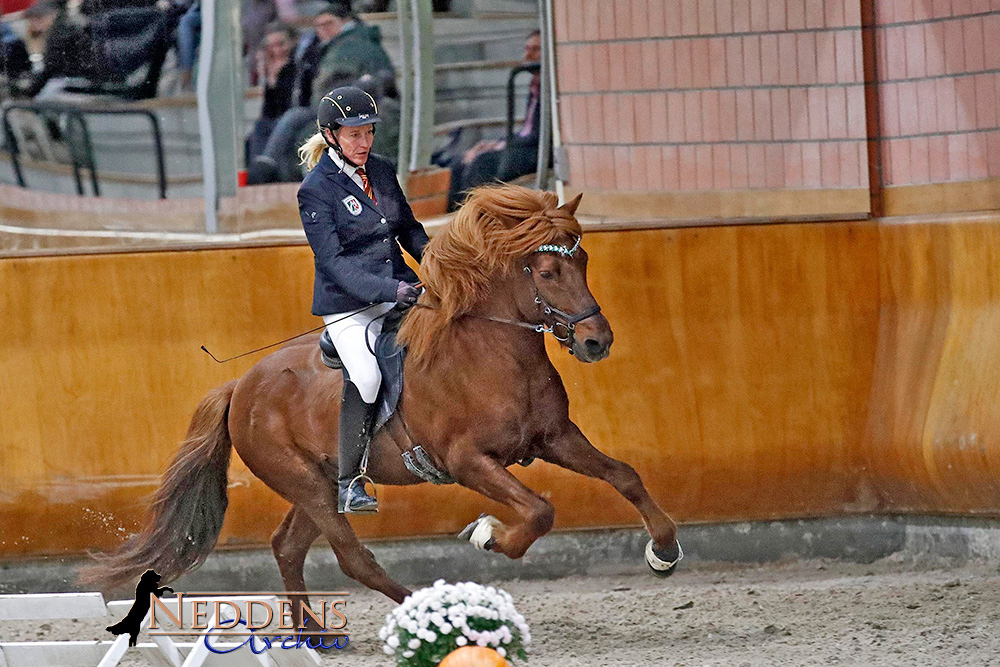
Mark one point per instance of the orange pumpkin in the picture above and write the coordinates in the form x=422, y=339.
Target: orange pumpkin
x=473, y=656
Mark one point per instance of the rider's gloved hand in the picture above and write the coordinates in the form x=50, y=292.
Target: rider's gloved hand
x=406, y=294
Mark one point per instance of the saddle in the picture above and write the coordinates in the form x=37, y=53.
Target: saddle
x=390, y=357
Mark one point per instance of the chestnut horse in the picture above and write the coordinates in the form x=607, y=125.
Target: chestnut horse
x=479, y=395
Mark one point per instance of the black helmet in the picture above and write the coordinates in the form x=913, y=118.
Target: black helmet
x=347, y=106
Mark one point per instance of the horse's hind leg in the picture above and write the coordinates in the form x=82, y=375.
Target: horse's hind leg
x=290, y=543
x=318, y=500
x=491, y=479
x=572, y=450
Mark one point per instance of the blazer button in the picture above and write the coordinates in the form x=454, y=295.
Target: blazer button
x=385, y=240
x=388, y=261
x=382, y=221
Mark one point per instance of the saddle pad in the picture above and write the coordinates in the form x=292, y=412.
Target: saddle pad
x=390, y=362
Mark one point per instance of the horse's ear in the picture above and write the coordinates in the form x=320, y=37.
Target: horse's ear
x=571, y=206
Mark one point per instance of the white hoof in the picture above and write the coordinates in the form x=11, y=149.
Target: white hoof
x=480, y=532
x=659, y=565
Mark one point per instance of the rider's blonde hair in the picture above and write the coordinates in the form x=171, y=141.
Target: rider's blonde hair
x=311, y=151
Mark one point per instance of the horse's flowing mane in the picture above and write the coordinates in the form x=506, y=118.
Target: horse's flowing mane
x=496, y=226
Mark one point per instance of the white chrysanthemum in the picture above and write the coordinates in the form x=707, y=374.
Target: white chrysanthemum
x=502, y=651
x=440, y=616
x=388, y=650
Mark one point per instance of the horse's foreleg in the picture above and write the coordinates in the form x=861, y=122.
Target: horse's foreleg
x=483, y=474
x=572, y=450
x=357, y=562
x=290, y=543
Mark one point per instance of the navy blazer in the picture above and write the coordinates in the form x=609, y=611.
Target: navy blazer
x=354, y=241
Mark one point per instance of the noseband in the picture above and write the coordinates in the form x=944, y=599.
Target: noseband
x=562, y=319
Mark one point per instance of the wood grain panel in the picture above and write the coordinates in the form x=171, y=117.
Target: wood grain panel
x=760, y=205
x=934, y=434
x=743, y=356
x=758, y=372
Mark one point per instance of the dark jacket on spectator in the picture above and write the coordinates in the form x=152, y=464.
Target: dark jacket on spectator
x=356, y=51
x=307, y=61
x=278, y=98
x=69, y=51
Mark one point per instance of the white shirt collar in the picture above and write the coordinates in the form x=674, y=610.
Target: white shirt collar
x=348, y=169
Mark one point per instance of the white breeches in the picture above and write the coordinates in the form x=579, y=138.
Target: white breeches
x=349, y=337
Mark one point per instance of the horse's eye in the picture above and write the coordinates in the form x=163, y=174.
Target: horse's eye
x=545, y=274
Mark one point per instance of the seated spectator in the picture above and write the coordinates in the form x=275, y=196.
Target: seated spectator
x=131, y=45
x=107, y=50
x=341, y=50
x=14, y=60
x=355, y=51
x=66, y=52
x=276, y=72
x=496, y=160
x=255, y=17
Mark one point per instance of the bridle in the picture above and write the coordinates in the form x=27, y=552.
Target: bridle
x=567, y=321
x=561, y=319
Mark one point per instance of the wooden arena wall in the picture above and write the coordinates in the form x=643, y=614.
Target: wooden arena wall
x=758, y=372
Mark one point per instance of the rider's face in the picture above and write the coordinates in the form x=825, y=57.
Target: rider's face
x=356, y=142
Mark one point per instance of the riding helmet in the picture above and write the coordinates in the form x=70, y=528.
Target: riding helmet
x=347, y=106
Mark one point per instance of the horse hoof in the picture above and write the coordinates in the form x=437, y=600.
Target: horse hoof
x=664, y=563
x=480, y=532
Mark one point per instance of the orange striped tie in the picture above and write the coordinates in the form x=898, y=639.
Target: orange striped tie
x=368, y=186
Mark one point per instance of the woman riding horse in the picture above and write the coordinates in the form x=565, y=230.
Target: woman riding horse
x=354, y=211
x=479, y=394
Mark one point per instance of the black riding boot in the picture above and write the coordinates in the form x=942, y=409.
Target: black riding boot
x=356, y=419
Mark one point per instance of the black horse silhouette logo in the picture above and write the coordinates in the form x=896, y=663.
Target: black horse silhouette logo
x=130, y=625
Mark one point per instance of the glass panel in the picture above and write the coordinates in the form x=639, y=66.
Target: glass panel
x=103, y=137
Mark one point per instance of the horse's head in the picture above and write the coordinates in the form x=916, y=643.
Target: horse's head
x=557, y=272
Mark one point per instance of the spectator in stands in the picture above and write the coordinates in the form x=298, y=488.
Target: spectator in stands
x=276, y=72
x=67, y=48
x=130, y=40
x=496, y=160
x=341, y=50
x=356, y=50
x=255, y=17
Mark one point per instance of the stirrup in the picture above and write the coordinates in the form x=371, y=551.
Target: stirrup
x=354, y=499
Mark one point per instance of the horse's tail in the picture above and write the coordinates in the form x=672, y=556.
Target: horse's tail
x=184, y=522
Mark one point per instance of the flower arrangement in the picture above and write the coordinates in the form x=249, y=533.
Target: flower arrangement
x=434, y=621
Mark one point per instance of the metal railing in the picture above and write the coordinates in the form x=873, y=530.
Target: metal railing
x=81, y=148
x=533, y=68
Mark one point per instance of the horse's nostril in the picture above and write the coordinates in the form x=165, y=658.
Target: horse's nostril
x=594, y=348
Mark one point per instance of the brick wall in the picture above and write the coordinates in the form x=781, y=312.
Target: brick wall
x=766, y=98
x=702, y=95
x=939, y=82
